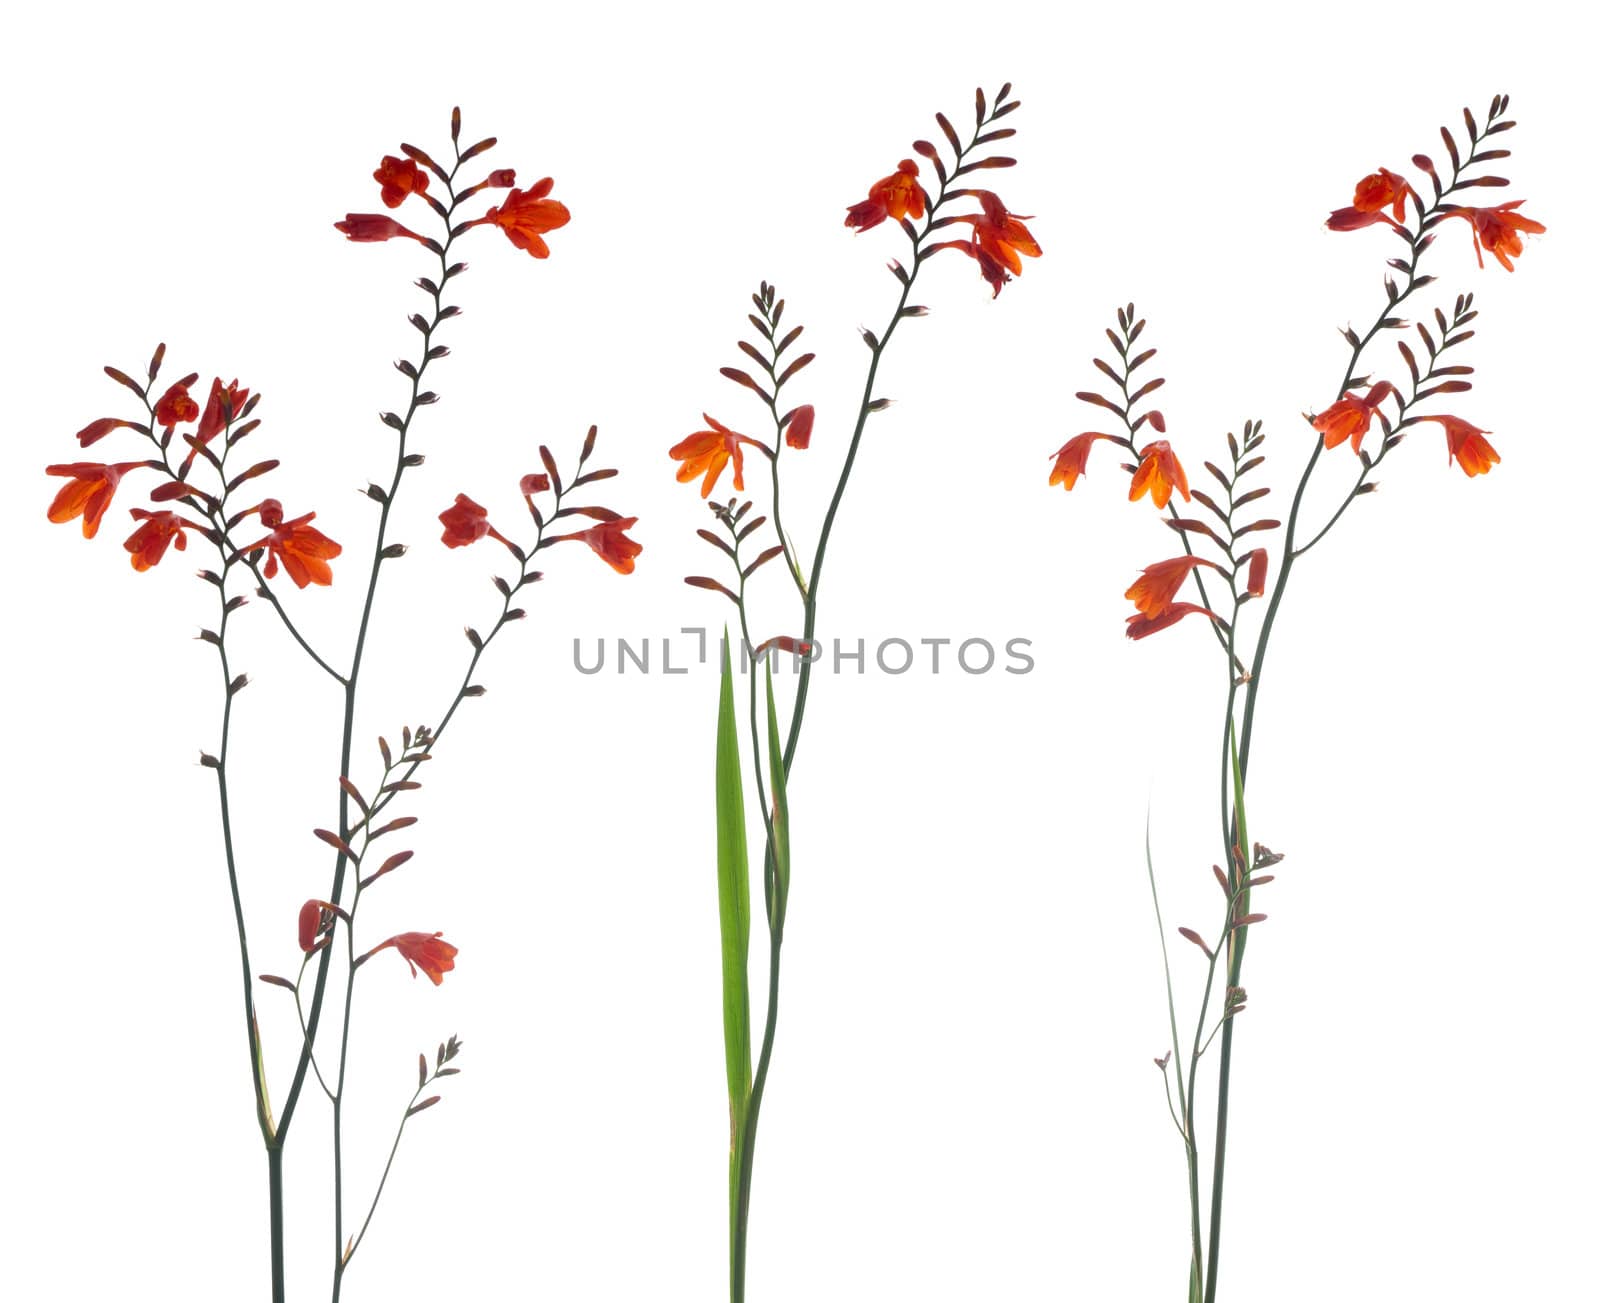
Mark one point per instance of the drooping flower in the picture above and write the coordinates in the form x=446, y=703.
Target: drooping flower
x=176, y=406
x=399, y=178
x=896, y=196
x=312, y=914
x=223, y=405
x=466, y=522
x=88, y=491
x=304, y=551
x=1468, y=448
x=1158, y=474
x=998, y=238
x=526, y=216
x=610, y=543
x=797, y=430
x=1142, y=626
x=148, y=543
x=1499, y=230
x=706, y=452
x=97, y=430
x=424, y=950
x=1351, y=417
x=1157, y=585
x=1072, y=458
x=1382, y=189
x=372, y=228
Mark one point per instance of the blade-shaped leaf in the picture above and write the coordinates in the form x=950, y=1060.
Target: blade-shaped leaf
x=733, y=897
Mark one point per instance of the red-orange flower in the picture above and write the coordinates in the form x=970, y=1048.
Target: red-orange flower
x=175, y=405
x=1142, y=626
x=1382, y=189
x=88, y=491
x=97, y=430
x=1072, y=458
x=223, y=404
x=797, y=430
x=706, y=452
x=1351, y=417
x=535, y=483
x=1256, y=582
x=304, y=551
x=897, y=195
x=399, y=177
x=1499, y=230
x=371, y=228
x=1159, y=473
x=610, y=543
x=1157, y=585
x=422, y=950
x=466, y=522
x=526, y=215
x=998, y=237
x=148, y=543
x=310, y=922
x=1468, y=447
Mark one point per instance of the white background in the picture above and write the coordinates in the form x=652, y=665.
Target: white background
x=962, y=1104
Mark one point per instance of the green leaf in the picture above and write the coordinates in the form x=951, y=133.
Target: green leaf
x=780, y=815
x=733, y=899
x=1236, y=872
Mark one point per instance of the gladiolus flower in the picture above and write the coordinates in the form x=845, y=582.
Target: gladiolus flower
x=466, y=522
x=998, y=238
x=1350, y=417
x=1157, y=585
x=1072, y=459
x=610, y=543
x=422, y=950
x=223, y=405
x=1142, y=626
x=797, y=433
x=148, y=543
x=175, y=405
x=372, y=228
x=1159, y=473
x=1468, y=447
x=399, y=177
x=97, y=430
x=706, y=452
x=88, y=492
x=526, y=215
x=304, y=551
x=1499, y=230
x=897, y=195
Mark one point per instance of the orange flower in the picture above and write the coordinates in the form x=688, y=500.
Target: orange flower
x=304, y=551
x=1072, y=459
x=97, y=430
x=535, y=483
x=148, y=543
x=897, y=195
x=611, y=544
x=1159, y=473
x=706, y=452
x=371, y=228
x=1499, y=230
x=1382, y=189
x=797, y=429
x=399, y=177
x=1142, y=626
x=311, y=922
x=422, y=950
x=998, y=238
x=1468, y=447
x=88, y=491
x=1350, y=417
x=175, y=405
x=223, y=405
x=466, y=522
x=1256, y=583
x=1157, y=585
x=526, y=215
